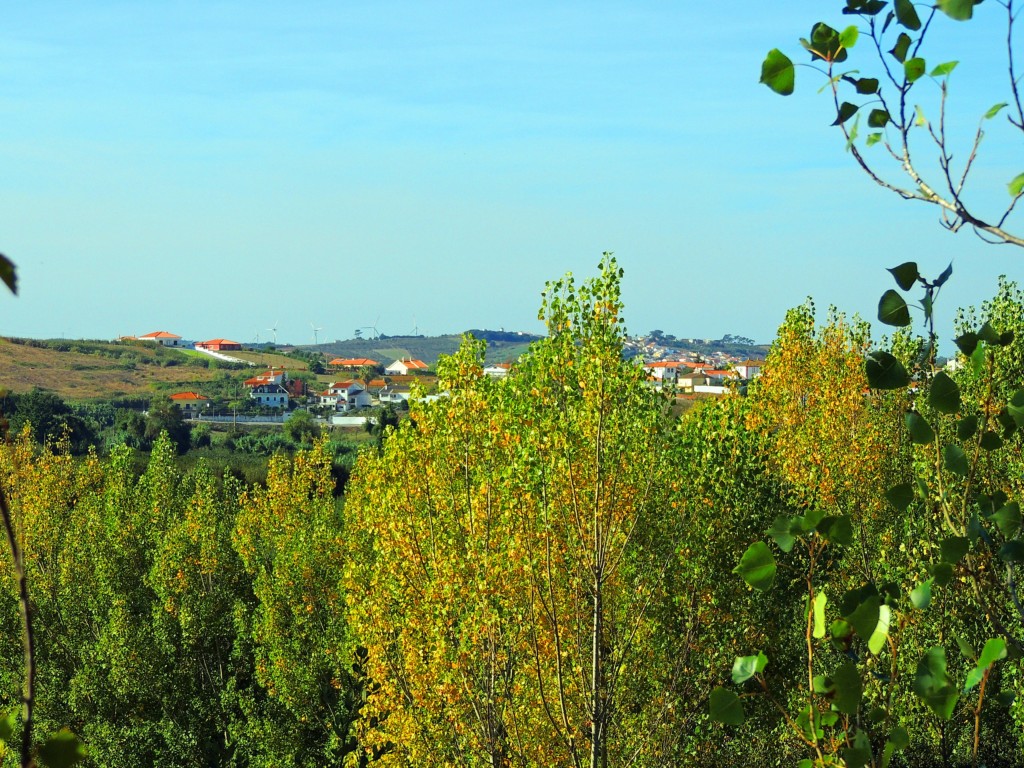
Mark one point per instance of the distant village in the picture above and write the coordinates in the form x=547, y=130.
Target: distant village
x=362, y=383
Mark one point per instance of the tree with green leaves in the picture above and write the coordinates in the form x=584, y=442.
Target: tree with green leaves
x=900, y=100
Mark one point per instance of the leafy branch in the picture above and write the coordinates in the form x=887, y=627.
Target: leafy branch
x=893, y=119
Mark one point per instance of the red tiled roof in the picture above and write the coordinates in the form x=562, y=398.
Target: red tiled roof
x=218, y=342
x=184, y=396
x=413, y=364
x=355, y=362
x=160, y=335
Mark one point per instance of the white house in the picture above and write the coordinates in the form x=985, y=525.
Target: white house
x=749, y=369
x=404, y=367
x=346, y=396
x=393, y=393
x=497, y=370
x=665, y=370
x=165, y=338
x=271, y=395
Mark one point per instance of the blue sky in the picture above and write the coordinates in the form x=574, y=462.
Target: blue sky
x=215, y=168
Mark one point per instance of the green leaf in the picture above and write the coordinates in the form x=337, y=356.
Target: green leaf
x=955, y=460
x=877, y=714
x=745, y=667
x=840, y=629
x=953, y=549
x=900, y=738
x=811, y=519
x=921, y=595
x=819, y=614
x=942, y=573
x=885, y=372
x=944, y=275
x=725, y=707
x=62, y=750
x=1005, y=698
x=961, y=10
x=7, y=725
x=995, y=110
x=873, y=138
x=900, y=496
x=865, y=617
x=866, y=85
x=859, y=755
x=877, y=640
x=993, y=651
x=977, y=359
x=846, y=111
x=808, y=722
x=780, y=533
x=899, y=51
x=1012, y=551
x=892, y=309
x=848, y=37
x=975, y=530
x=1015, y=408
x=8, y=274
x=933, y=684
x=778, y=73
x=822, y=684
x=849, y=688
x=878, y=118
x=825, y=43
x=966, y=649
x=990, y=441
x=920, y=121
x=921, y=432
x=944, y=394
x=967, y=342
x=907, y=15
x=988, y=333
x=838, y=529
x=906, y=274
x=757, y=566
x=913, y=69
x=1008, y=519
x=943, y=69
x=1016, y=186
x=967, y=427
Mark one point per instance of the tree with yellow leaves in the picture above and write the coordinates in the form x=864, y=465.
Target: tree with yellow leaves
x=512, y=547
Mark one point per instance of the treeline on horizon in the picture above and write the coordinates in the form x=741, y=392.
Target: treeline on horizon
x=549, y=570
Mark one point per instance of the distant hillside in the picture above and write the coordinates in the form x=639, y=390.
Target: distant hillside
x=501, y=347
x=88, y=370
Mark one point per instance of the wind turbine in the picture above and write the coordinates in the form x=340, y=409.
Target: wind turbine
x=274, y=331
x=316, y=330
x=415, y=328
x=376, y=333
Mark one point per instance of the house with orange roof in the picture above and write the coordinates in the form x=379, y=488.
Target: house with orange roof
x=665, y=370
x=165, y=338
x=218, y=345
x=190, y=403
x=405, y=366
x=346, y=395
x=273, y=376
x=353, y=362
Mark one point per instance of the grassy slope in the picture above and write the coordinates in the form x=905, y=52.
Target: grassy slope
x=268, y=359
x=92, y=370
x=97, y=370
